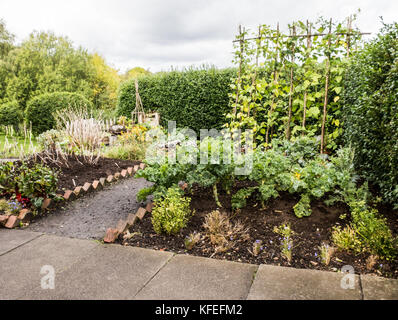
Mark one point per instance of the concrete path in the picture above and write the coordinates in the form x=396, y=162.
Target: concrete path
x=90, y=216
x=87, y=269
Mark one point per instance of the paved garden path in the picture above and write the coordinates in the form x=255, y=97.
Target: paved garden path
x=87, y=269
x=90, y=216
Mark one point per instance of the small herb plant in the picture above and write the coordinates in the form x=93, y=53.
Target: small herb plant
x=191, y=240
x=286, y=233
x=327, y=253
x=9, y=207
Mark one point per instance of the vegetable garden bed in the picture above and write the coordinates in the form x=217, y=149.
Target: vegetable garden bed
x=79, y=172
x=309, y=234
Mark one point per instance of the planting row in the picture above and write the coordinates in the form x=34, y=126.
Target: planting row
x=289, y=170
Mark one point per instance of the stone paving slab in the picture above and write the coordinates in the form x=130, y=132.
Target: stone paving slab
x=281, y=283
x=197, y=278
x=20, y=268
x=376, y=288
x=108, y=272
x=11, y=239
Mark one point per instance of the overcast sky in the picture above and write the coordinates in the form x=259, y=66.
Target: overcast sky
x=157, y=34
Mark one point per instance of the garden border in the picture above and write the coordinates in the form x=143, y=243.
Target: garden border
x=26, y=215
x=112, y=234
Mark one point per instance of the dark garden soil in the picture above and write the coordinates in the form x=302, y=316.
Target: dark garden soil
x=309, y=234
x=80, y=172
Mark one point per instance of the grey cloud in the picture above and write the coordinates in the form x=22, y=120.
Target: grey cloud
x=158, y=34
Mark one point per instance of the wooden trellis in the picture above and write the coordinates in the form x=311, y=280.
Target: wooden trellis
x=138, y=115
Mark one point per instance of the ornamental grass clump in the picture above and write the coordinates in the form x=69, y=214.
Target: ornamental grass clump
x=83, y=132
x=171, y=213
x=222, y=232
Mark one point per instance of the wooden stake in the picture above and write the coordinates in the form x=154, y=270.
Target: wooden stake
x=326, y=90
x=290, y=91
x=241, y=40
x=349, y=22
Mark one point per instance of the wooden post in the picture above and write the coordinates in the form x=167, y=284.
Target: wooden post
x=305, y=91
x=327, y=71
x=291, y=89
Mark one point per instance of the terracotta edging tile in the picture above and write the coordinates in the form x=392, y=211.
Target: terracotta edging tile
x=69, y=195
x=25, y=215
x=12, y=222
x=87, y=187
x=46, y=203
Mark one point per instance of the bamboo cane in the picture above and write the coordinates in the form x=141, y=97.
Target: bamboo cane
x=327, y=70
x=275, y=81
x=290, y=90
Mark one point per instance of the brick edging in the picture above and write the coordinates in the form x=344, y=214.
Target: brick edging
x=26, y=215
x=112, y=234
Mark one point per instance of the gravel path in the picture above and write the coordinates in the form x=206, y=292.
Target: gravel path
x=89, y=217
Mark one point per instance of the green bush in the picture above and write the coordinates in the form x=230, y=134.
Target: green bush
x=172, y=213
x=11, y=114
x=29, y=184
x=371, y=111
x=193, y=98
x=40, y=109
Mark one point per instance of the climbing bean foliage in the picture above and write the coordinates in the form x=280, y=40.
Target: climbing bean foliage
x=277, y=68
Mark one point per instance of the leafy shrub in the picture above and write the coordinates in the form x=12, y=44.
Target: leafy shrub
x=196, y=99
x=50, y=139
x=29, y=184
x=40, y=109
x=346, y=239
x=7, y=177
x=131, y=145
x=171, y=213
x=371, y=111
x=373, y=230
x=11, y=114
x=165, y=173
x=36, y=183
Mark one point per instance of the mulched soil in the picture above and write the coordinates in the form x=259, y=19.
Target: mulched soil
x=80, y=172
x=309, y=234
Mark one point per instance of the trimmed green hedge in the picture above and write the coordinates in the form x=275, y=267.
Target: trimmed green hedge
x=39, y=109
x=371, y=111
x=11, y=114
x=194, y=98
